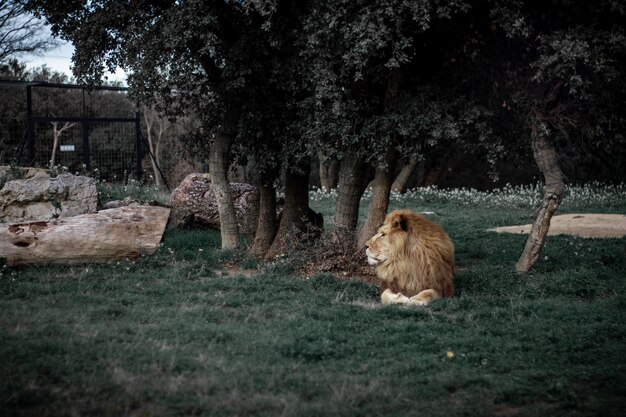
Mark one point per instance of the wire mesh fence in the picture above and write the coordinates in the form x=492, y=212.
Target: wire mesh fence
x=96, y=129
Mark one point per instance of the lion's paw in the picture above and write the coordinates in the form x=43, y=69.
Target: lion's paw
x=390, y=297
x=418, y=302
x=424, y=297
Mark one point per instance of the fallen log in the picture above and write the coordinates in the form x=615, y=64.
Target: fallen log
x=107, y=235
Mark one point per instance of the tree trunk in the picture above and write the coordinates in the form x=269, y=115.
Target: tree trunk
x=329, y=168
x=324, y=165
x=266, y=227
x=218, y=167
x=155, y=157
x=164, y=125
x=294, y=217
x=420, y=176
x=113, y=234
x=333, y=174
x=547, y=160
x=56, y=134
x=154, y=144
x=383, y=177
x=154, y=162
x=351, y=186
x=55, y=144
x=399, y=184
x=380, y=199
x=352, y=183
x=435, y=174
x=149, y=117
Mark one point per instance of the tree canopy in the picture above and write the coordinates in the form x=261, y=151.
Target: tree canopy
x=365, y=83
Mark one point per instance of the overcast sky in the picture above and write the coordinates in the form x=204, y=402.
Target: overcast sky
x=58, y=59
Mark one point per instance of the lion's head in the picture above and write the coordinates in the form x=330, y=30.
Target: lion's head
x=388, y=243
x=412, y=254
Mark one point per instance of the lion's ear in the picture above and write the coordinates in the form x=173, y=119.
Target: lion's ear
x=400, y=222
x=404, y=225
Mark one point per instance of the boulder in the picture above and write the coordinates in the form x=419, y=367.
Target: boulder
x=8, y=173
x=193, y=204
x=42, y=197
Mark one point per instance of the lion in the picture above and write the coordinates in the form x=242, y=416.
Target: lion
x=414, y=259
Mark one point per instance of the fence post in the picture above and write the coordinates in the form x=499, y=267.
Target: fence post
x=138, y=143
x=85, y=132
x=30, y=134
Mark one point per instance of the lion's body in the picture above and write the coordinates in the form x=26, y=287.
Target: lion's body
x=413, y=257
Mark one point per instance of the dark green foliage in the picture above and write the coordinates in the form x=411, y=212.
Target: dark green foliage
x=447, y=79
x=533, y=47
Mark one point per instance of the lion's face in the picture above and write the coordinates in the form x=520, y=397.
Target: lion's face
x=385, y=244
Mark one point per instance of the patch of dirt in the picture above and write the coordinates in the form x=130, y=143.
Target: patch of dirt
x=582, y=225
x=341, y=265
x=337, y=257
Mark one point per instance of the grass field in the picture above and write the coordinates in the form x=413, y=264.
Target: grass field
x=179, y=334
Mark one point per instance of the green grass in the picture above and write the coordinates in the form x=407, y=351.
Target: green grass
x=176, y=334
x=109, y=191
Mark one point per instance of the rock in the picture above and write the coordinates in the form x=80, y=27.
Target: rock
x=128, y=201
x=42, y=197
x=8, y=173
x=193, y=204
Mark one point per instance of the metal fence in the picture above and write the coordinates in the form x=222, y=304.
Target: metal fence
x=82, y=129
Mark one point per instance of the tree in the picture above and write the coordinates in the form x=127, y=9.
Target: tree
x=377, y=93
x=156, y=126
x=21, y=32
x=329, y=170
x=564, y=76
x=271, y=132
x=207, y=63
x=276, y=82
x=400, y=182
x=56, y=135
x=214, y=68
x=340, y=62
x=13, y=69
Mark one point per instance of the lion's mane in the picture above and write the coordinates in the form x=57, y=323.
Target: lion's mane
x=412, y=254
